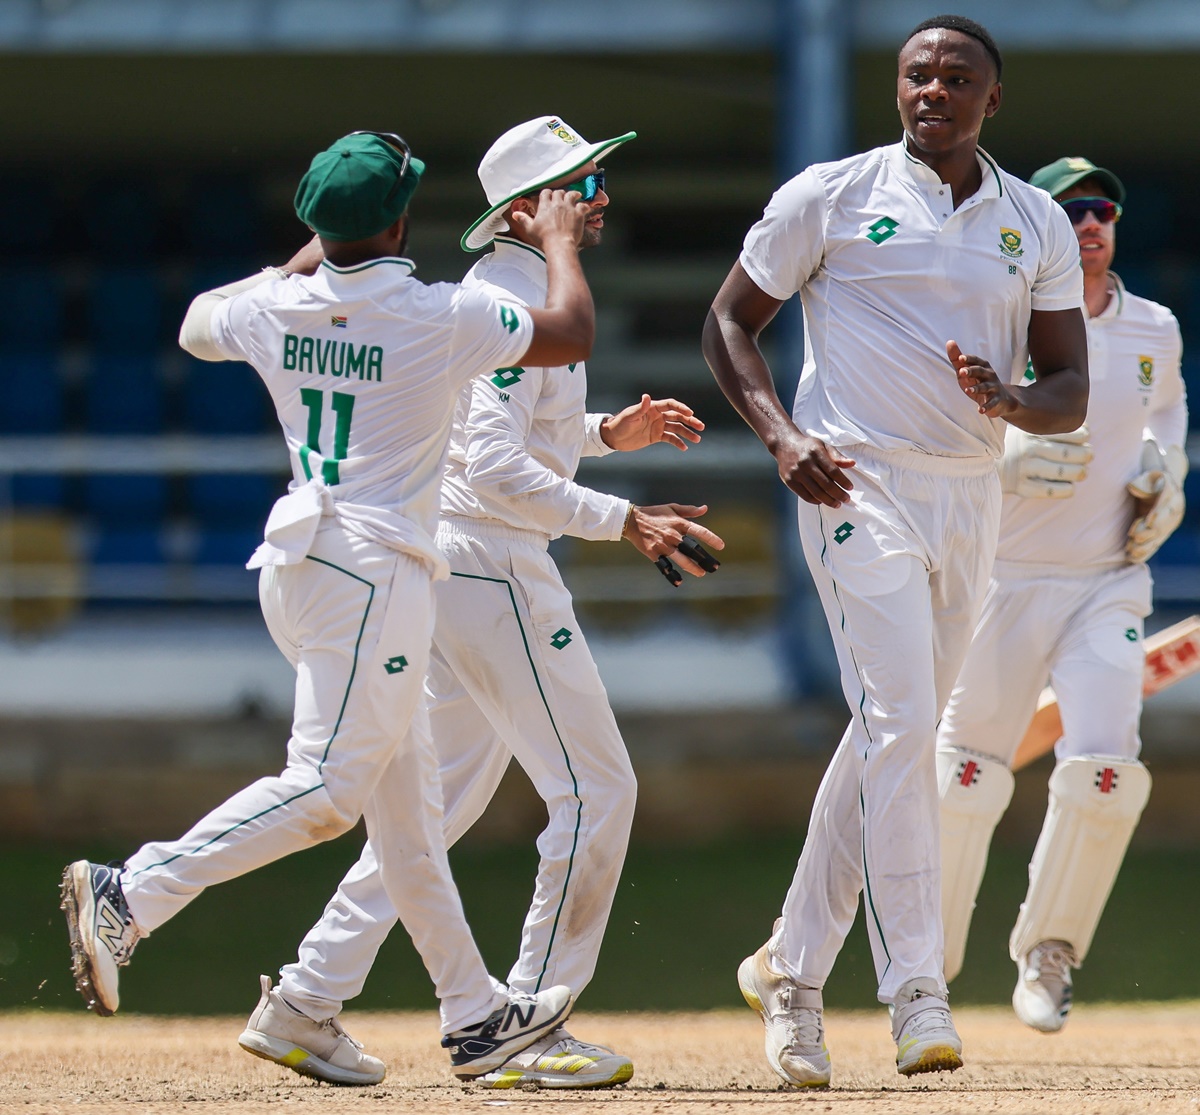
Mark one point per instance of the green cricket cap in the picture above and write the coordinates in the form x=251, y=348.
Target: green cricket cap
x=1066, y=172
x=355, y=189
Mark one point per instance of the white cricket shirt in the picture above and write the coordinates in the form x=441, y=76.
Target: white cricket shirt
x=1134, y=349
x=888, y=271
x=364, y=365
x=519, y=433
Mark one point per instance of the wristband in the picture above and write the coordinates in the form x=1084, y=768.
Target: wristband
x=628, y=518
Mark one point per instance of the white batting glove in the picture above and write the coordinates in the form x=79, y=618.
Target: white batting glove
x=1044, y=466
x=1161, y=479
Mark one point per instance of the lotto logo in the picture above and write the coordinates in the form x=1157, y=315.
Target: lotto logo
x=560, y=638
x=842, y=533
x=396, y=665
x=883, y=229
x=506, y=377
x=1106, y=780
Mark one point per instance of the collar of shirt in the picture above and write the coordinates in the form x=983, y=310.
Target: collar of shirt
x=929, y=184
x=374, y=272
x=1115, y=304
x=524, y=257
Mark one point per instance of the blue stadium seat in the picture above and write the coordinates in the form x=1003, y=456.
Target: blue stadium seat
x=125, y=500
x=125, y=311
x=38, y=490
x=124, y=394
x=128, y=546
x=33, y=403
x=33, y=301
x=227, y=547
x=229, y=501
x=225, y=399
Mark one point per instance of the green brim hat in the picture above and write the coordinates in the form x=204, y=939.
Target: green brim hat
x=1066, y=172
x=356, y=189
x=525, y=159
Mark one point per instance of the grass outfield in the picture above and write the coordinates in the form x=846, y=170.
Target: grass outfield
x=683, y=919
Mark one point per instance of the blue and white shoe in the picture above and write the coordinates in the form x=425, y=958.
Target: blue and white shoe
x=476, y=1050
x=103, y=933
x=1042, y=997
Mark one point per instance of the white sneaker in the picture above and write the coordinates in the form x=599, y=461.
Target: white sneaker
x=478, y=1049
x=1042, y=997
x=561, y=1060
x=102, y=930
x=278, y=1032
x=795, y=1038
x=926, y=1040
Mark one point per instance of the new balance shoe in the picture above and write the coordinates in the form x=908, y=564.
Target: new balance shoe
x=278, y=1032
x=478, y=1049
x=103, y=934
x=561, y=1060
x=926, y=1040
x=1042, y=997
x=792, y=1015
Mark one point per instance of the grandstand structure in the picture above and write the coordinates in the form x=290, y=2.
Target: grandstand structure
x=155, y=154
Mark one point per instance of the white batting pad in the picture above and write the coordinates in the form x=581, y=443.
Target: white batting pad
x=975, y=792
x=1095, y=804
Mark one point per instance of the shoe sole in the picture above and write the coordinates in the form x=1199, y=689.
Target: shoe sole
x=754, y=1002
x=528, y=1078
x=77, y=916
x=1052, y=1028
x=301, y=1061
x=497, y=1058
x=937, y=1058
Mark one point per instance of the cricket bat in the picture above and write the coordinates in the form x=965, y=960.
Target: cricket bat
x=1171, y=655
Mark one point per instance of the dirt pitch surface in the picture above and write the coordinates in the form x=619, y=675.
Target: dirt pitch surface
x=1108, y=1060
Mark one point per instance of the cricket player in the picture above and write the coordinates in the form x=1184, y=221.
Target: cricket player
x=1082, y=513
x=510, y=672
x=364, y=364
x=928, y=277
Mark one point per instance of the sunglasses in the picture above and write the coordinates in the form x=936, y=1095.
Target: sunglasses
x=400, y=144
x=1105, y=209
x=589, y=186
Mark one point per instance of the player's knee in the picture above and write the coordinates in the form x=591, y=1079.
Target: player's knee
x=329, y=818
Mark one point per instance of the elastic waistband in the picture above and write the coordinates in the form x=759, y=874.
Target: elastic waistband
x=1056, y=571
x=916, y=461
x=464, y=526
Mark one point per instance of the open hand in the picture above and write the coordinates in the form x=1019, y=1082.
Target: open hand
x=651, y=421
x=559, y=213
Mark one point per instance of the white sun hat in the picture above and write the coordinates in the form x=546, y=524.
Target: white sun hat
x=524, y=159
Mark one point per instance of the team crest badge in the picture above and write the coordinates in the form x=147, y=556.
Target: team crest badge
x=1145, y=370
x=1010, y=243
x=557, y=127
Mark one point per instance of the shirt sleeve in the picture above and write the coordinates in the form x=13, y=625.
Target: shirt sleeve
x=594, y=445
x=500, y=467
x=230, y=323
x=785, y=248
x=1059, y=281
x=489, y=333
x=1167, y=422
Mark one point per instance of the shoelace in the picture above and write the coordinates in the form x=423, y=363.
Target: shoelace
x=334, y=1025
x=1051, y=960
x=803, y=1023
x=931, y=1018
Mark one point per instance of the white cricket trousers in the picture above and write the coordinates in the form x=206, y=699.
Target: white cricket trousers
x=510, y=674
x=901, y=572
x=355, y=619
x=1079, y=630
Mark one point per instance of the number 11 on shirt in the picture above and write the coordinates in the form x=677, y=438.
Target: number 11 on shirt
x=343, y=408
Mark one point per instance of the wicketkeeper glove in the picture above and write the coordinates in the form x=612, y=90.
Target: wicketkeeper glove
x=1161, y=479
x=1044, y=466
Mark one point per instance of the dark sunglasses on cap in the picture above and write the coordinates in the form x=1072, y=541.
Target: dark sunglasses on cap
x=399, y=143
x=589, y=186
x=1078, y=208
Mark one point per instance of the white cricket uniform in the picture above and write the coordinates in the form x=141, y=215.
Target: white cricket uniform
x=887, y=272
x=1064, y=605
x=364, y=365
x=510, y=672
